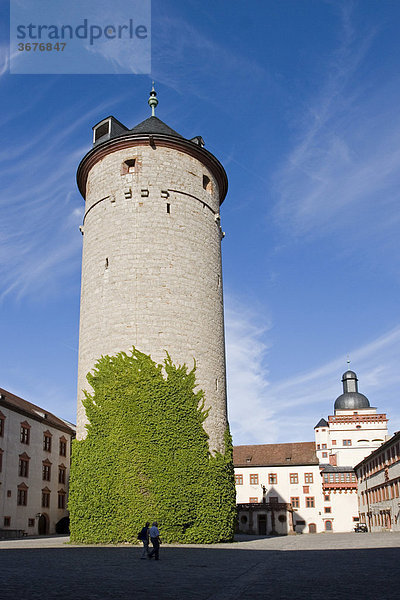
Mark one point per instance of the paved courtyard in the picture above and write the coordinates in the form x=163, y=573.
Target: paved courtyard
x=331, y=566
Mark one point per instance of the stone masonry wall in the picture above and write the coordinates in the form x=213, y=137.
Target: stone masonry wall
x=151, y=270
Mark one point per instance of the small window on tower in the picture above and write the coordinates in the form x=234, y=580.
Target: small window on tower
x=207, y=185
x=128, y=166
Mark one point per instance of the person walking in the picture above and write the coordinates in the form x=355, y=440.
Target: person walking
x=144, y=537
x=155, y=540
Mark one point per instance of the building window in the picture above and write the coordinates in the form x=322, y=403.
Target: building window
x=47, y=441
x=295, y=502
x=31, y=522
x=23, y=465
x=272, y=478
x=238, y=479
x=273, y=499
x=253, y=479
x=7, y=521
x=62, y=470
x=294, y=478
x=128, y=166
x=207, y=185
x=2, y=419
x=45, y=498
x=324, y=455
x=308, y=478
x=63, y=446
x=346, y=442
x=24, y=433
x=253, y=500
x=46, y=471
x=306, y=489
x=61, y=499
x=356, y=519
x=327, y=497
x=318, y=446
x=22, y=496
x=101, y=130
x=333, y=442
x=323, y=446
x=310, y=503
x=327, y=509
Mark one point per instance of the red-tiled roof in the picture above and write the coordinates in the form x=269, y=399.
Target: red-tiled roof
x=300, y=453
x=11, y=401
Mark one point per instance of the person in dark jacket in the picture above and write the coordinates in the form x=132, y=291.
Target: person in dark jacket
x=144, y=537
x=155, y=540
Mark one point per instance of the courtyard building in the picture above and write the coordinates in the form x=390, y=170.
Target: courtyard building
x=278, y=488
x=35, y=448
x=310, y=487
x=346, y=437
x=379, y=487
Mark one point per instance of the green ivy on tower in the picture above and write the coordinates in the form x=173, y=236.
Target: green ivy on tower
x=146, y=458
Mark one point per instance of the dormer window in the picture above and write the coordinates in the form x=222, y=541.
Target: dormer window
x=101, y=130
x=128, y=166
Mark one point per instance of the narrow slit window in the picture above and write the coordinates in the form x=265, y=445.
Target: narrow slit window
x=106, y=265
x=168, y=208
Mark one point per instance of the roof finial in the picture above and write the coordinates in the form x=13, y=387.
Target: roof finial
x=348, y=362
x=153, y=101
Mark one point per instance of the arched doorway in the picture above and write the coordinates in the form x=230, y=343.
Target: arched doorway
x=312, y=528
x=43, y=524
x=328, y=525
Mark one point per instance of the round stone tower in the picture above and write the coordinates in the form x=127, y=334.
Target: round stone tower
x=151, y=266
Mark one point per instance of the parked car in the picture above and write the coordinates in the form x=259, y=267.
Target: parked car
x=361, y=528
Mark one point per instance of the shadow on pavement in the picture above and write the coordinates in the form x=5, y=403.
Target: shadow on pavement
x=89, y=573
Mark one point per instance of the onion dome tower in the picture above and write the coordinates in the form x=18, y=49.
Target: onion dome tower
x=351, y=399
x=151, y=265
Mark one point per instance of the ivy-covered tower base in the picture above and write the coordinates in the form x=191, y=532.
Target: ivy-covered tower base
x=146, y=457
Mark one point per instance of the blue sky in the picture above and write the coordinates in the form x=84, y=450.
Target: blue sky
x=299, y=101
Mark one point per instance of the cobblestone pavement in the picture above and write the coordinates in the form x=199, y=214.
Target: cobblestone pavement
x=306, y=567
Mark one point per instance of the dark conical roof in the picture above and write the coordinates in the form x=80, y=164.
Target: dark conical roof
x=154, y=125
x=321, y=423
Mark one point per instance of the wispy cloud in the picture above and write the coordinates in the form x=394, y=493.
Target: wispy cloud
x=250, y=417
x=345, y=162
x=184, y=57
x=41, y=208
